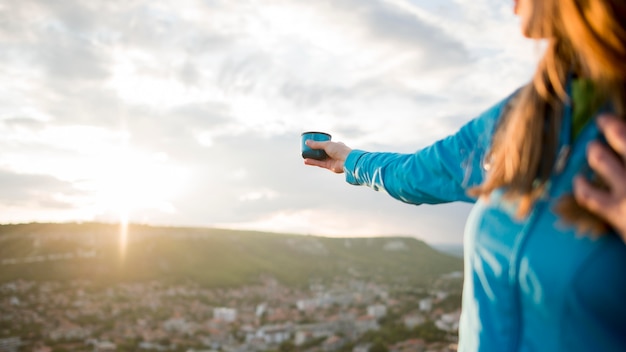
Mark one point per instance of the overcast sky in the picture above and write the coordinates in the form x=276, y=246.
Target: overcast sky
x=189, y=112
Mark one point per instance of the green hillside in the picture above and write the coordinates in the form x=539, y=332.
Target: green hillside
x=211, y=257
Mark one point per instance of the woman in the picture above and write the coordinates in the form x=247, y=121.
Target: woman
x=544, y=256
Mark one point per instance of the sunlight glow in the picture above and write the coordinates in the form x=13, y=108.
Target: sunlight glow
x=129, y=181
x=107, y=178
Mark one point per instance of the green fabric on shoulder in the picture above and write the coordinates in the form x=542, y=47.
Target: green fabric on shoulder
x=587, y=101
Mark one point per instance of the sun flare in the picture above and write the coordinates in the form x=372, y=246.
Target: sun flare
x=127, y=186
x=136, y=182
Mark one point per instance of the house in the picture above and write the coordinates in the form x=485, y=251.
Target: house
x=151, y=346
x=377, y=311
x=441, y=295
x=179, y=325
x=256, y=344
x=412, y=345
x=332, y=343
x=366, y=323
x=362, y=347
x=69, y=331
x=307, y=304
x=260, y=309
x=426, y=304
x=413, y=320
x=272, y=334
x=40, y=347
x=302, y=337
x=228, y=315
x=442, y=347
x=308, y=332
x=10, y=344
x=449, y=321
x=104, y=346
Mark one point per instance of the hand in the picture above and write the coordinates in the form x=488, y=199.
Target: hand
x=609, y=204
x=337, y=153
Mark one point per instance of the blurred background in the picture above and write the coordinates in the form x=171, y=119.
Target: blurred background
x=190, y=112
x=152, y=192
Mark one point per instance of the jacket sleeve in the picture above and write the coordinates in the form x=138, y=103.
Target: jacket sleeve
x=440, y=173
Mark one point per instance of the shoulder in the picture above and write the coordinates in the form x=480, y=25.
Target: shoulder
x=481, y=128
x=500, y=109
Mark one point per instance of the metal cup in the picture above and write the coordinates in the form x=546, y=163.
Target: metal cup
x=317, y=154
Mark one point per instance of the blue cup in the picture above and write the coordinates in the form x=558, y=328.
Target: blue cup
x=317, y=154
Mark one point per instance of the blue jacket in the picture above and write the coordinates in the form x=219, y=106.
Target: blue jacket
x=530, y=284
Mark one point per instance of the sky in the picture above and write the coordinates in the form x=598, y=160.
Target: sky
x=189, y=112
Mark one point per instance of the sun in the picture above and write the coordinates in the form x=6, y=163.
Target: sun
x=131, y=185
x=132, y=182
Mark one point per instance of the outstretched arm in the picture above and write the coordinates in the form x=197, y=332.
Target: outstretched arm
x=439, y=173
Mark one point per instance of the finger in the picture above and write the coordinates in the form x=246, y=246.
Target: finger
x=592, y=198
x=314, y=162
x=326, y=164
x=607, y=165
x=316, y=144
x=614, y=131
x=319, y=163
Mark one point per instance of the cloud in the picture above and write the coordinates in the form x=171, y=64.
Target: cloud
x=21, y=122
x=437, y=48
x=41, y=191
x=54, y=38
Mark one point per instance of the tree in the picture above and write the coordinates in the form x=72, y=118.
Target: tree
x=287, y=346
x=379, y=346
x=430, y=332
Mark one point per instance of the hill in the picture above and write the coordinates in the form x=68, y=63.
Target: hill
x=208, y=256
x=451, y=248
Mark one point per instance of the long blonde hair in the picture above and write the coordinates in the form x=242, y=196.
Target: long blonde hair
x=587, y=37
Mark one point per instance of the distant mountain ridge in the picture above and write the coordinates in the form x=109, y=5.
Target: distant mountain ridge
x=209, y=256
x=450, y=248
